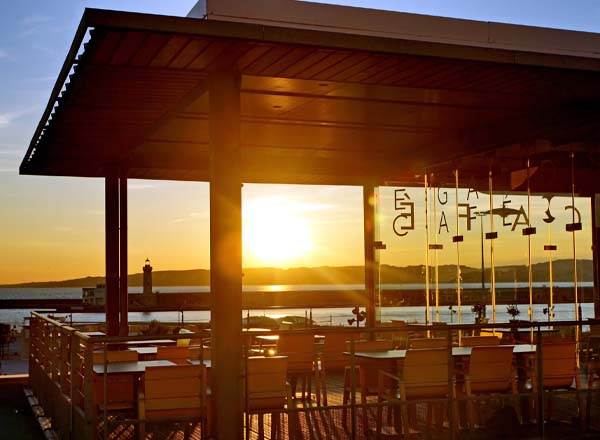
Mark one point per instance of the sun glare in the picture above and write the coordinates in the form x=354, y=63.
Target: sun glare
x=275, y=232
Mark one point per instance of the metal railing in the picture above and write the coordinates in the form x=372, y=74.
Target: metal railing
x=77, y=399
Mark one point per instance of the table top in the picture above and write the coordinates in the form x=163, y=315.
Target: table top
x=207, y=362
x=135, y=367
x=276, y=337
x=456, y=351
x=144, y=350
x=524, y=330
x=152, y=342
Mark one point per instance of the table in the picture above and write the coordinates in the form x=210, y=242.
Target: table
x=94, y=334
x=207, y=362
x=145, y=353
x=137, y=367
x=274, y=338
x=456, y=351
x=153, y=342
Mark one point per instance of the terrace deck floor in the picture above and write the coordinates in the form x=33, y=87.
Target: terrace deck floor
x=17, y=421
x=310, y=421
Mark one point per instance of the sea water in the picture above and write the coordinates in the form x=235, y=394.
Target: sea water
x=322, y=316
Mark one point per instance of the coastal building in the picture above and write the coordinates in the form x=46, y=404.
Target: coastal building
x=94, y=296
x=303, y=93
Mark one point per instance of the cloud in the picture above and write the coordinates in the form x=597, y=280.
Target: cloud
x=3, y=54
x=7, y=118
x=63, y=229
x=35, y=19
x=141, y=185
x=191, y=216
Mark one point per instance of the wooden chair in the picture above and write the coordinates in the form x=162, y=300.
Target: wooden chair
x=478, y=341
x=184, y=342
x=418, y=343
x=267, y=390
x=333, y=359
x=119, y=387
x=367, y=374
x=300, y=351
x=559, y=371
x=424, y=376
x=114, y=356
x=400, y=338
x=176, y=393
x=178, y=355
x=489, y=372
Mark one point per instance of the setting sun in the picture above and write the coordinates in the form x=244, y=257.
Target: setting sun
x=275, y=232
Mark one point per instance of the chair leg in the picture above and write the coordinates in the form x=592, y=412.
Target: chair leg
x=261, y=426
x=379, y=417
x=318, y=386
x=324, y=385
x=405, y=422
x=275, y=426
x=580, y=402
x=346, y=396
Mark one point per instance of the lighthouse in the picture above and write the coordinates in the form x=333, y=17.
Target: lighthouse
x=147, y=278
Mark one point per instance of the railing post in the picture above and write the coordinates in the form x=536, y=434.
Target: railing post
x=105, y=392
x=540, y=383
x=353, y=387
x=88, y=385
x=73, y=346
x=451, y=397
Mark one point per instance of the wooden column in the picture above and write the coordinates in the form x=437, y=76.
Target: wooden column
x=111, y=216
x=226, y=254
x=123, y=298
x=369, y=241
x=596, y=252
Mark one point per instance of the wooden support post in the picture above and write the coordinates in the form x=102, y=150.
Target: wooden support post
x=111, y=203
x=123, y=297
x=596, y=252
x=369, y=242
x=226, y=254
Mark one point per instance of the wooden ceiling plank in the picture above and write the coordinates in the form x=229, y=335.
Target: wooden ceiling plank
x=331, y=72
x=273, y=55
x=169, y=51
x=289, y=59
x=313, y=58
x=128, y=46
x=189, y=53
x=215, y=49
x=149, y=49
x=104, y=46
x=254, y=51
x=313, y=71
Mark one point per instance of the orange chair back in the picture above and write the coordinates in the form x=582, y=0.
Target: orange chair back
x=119, y=391
x=334, y=346
x=425, y=373
x=113, y=356
x=559, y=365
x=178, y=355
x=299, y=349
x=266, y=383
x=490, y=369
x=369, y=346
x=478, y=341
x=418, y=343
x=173, y=392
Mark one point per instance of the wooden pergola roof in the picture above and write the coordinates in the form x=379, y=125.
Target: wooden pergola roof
x=317, y=107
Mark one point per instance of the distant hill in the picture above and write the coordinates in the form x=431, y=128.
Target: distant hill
x=562, y=271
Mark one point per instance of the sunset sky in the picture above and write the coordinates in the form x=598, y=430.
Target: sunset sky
x=53, y=228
